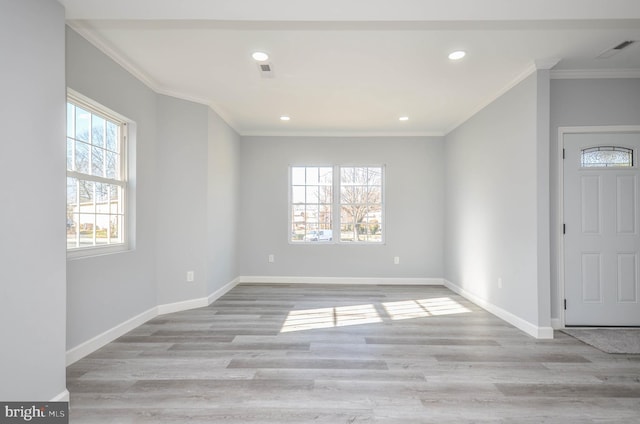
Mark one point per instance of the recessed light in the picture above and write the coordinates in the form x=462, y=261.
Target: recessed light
x=403, y=118
x=457, y=55
x=260, y=56
x=285, y=118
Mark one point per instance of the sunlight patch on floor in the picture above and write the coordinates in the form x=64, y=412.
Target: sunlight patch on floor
x=421, y=308
x=340, y=316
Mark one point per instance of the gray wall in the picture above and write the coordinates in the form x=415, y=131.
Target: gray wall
x=197, y=200
x=32, y=164
x=493, y=189
x=184, y=179
x=584, y=102
x=413, y=215
x=107, y=290
x=222, y=203
x=181, y=199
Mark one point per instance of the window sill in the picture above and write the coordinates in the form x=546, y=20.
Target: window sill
x=92, y=252
x=337, y=243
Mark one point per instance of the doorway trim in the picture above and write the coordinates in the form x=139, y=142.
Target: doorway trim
x=560, y=322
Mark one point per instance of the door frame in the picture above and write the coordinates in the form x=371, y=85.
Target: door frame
x=560, y=210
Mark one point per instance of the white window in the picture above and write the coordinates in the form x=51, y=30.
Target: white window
x=96, y=178
x=355, y=199
x=311, y=204
x=361, y=204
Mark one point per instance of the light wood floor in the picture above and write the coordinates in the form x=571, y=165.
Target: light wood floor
x=348, y=354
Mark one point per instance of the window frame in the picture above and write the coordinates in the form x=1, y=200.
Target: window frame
x=291, y=204
x=336, y=206
x=91, y=106
x=382, y=205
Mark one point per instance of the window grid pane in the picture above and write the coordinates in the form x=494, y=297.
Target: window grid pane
x=94, y=213
x=95, y=185
x=361, y=204
x=95, y=152
x=358, y=200
x=311, y=204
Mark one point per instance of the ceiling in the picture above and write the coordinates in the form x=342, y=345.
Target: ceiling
x=354, y=67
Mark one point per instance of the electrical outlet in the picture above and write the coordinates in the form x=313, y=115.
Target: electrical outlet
x=190, y=276
x=396, y=260
x=500, y=282
x=272, y=258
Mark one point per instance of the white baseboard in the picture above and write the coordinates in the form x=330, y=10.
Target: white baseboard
x=62, y=397
x=543, y=333
x=516, y=321
x=556, y=324
x=341, y=280
x=83, y=349
x=76, y=353
x=222, y=290
x=185, y=305
x=202, y=302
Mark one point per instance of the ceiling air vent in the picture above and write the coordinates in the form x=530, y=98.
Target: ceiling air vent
x=615, y=50
x=266, y=70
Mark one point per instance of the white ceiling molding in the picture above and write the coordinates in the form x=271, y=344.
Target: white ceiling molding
x=594, y=73
x=84, y=29
x=546, y=64
x=87, y=32
x=517, y=80
x=214, y=107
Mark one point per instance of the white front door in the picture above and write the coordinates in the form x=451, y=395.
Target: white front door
x=602, y=234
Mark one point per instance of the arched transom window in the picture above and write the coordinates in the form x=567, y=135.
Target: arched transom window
x=607, y=157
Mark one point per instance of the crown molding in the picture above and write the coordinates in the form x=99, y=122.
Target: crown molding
x=594, y=73
x=88, y=33
x=554, y=74
x=194, y=99
x=546, y=64
x=517, y=80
